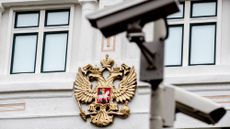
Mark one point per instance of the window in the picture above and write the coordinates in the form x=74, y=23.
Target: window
x=173, y=46
x=40, y=41
x=27, y=19
x=54, y=51
x=24, y=53
x=206, y=8
x=53, y=20
x=202, y=43
x=196, y=44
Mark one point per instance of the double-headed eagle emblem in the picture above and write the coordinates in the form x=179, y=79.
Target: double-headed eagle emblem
x=107, y=91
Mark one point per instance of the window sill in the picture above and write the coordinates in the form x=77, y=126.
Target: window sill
x=198, y=74
x=36, y=82
x=46, y=82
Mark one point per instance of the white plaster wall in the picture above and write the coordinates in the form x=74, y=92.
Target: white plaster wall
x=45, y=101
x=208, y=81
x=225, y=33
x=58, y=110
x=72, y=122
x=1, y=49
x=84, y=46
x=4, y=52
x=48, y=98
x=208, y=73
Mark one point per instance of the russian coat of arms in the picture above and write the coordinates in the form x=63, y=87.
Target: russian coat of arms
x=106, y=90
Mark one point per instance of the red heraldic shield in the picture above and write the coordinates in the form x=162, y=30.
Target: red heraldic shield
x=103, y=95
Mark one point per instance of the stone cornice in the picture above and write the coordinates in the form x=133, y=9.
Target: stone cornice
x=88, y=4
x=10, y=3
x=84, y=1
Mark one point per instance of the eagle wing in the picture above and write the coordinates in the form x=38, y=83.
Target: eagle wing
x=83, y=88
x=126, y=88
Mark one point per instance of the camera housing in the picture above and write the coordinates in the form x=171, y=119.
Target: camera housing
x=197, y=107
x=114, y=20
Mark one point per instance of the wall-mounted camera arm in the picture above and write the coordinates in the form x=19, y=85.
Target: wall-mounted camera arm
x=135, y=34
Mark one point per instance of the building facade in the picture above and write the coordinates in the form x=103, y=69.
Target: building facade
x=43, y=42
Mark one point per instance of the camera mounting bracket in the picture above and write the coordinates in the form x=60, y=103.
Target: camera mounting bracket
x=152, y=64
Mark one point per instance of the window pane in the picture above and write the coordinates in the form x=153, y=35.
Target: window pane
x=203, y=9
x=27, y=19
x=179, y=14
x=173, y=46
x=54, y=56
x=57, y=18
x=202, y=44
x=24, y=53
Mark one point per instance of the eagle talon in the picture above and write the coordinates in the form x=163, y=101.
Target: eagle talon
x=83, y=115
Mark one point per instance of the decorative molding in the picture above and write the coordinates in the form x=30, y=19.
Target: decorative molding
x=11, y=3
x=198, y=79
x=82, y=1
x=88, y=4
x=223, y=100
x=108, y=44
x=49, y=82
x=197, y=74
x=8, y=107
x=218, y=97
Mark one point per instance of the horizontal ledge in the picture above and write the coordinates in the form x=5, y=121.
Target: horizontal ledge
x=58, y=115
x=198, y=79
x=49, y=82
x=200, y=74
x=36, y=86
x=11, y=3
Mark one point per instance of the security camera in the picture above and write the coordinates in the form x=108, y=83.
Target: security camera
x=198, y=107
x=114, y=20
x=131, y=16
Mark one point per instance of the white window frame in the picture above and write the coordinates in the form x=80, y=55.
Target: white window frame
x=40, y=81
x=195, y=74
x=40, y=30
